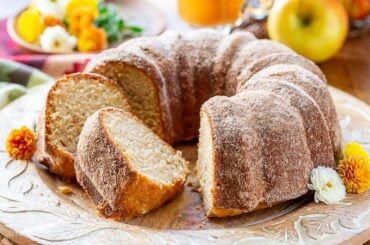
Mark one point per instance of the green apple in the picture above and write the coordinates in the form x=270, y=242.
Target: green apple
x=315, y=29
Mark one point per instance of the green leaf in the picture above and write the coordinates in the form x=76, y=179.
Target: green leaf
x=120, y=25
x=111, y=21
x=135, y=29
x=65, y=22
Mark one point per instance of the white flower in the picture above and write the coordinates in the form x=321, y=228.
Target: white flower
x=51, y=7
x=327, y=185
x=57, y=39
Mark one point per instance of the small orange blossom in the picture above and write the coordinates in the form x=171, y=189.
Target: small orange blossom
x=21, y=143
x=81, y=17
x=92, y=39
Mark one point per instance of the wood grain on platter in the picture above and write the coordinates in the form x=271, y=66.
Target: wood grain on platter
x=32, y=208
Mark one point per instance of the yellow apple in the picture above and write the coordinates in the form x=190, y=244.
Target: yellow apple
x=315, y=29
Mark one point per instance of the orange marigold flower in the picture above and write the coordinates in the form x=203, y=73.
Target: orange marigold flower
x=355, y=173
x=21, y=143
x=50, y=20
x=81, y=17
x=72, y=5
x=92, y=39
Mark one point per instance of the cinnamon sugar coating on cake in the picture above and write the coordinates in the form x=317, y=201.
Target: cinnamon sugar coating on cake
x=314, y=87
x=261, y=153
x=264, y=113
x=316, y=129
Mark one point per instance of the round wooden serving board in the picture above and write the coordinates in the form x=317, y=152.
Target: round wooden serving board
x=33, y=209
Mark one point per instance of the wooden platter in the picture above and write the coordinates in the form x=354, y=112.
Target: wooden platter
x=33, y=209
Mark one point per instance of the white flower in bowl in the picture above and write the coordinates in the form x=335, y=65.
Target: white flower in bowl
x=57, y=39
x=327, y=185
x=51, y=7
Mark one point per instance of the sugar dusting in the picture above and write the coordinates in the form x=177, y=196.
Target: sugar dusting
x=268, y=136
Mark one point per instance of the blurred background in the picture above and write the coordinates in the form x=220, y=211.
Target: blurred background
x=60, y=36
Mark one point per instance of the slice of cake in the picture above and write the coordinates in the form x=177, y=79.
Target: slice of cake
x=124, y=167
x=252, y=154
x=70, y=101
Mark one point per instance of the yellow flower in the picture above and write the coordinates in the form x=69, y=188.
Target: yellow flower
x=21, y=143
x=354, y=169
x=355, y=173
x=354, y=149
x=92, y=39
x=73, y=4
x=30, y=25
x=81, y=17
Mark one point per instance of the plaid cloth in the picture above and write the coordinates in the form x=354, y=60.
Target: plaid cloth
x=16, y=79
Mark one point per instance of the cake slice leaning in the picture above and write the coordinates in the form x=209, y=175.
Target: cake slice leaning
x=70, y=101
x=124, y=167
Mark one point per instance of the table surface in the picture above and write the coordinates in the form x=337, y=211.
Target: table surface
x=349, y=70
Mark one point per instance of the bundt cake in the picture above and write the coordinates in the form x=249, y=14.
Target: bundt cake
x=124, y=167
x=266, y=117
x=69, y=102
